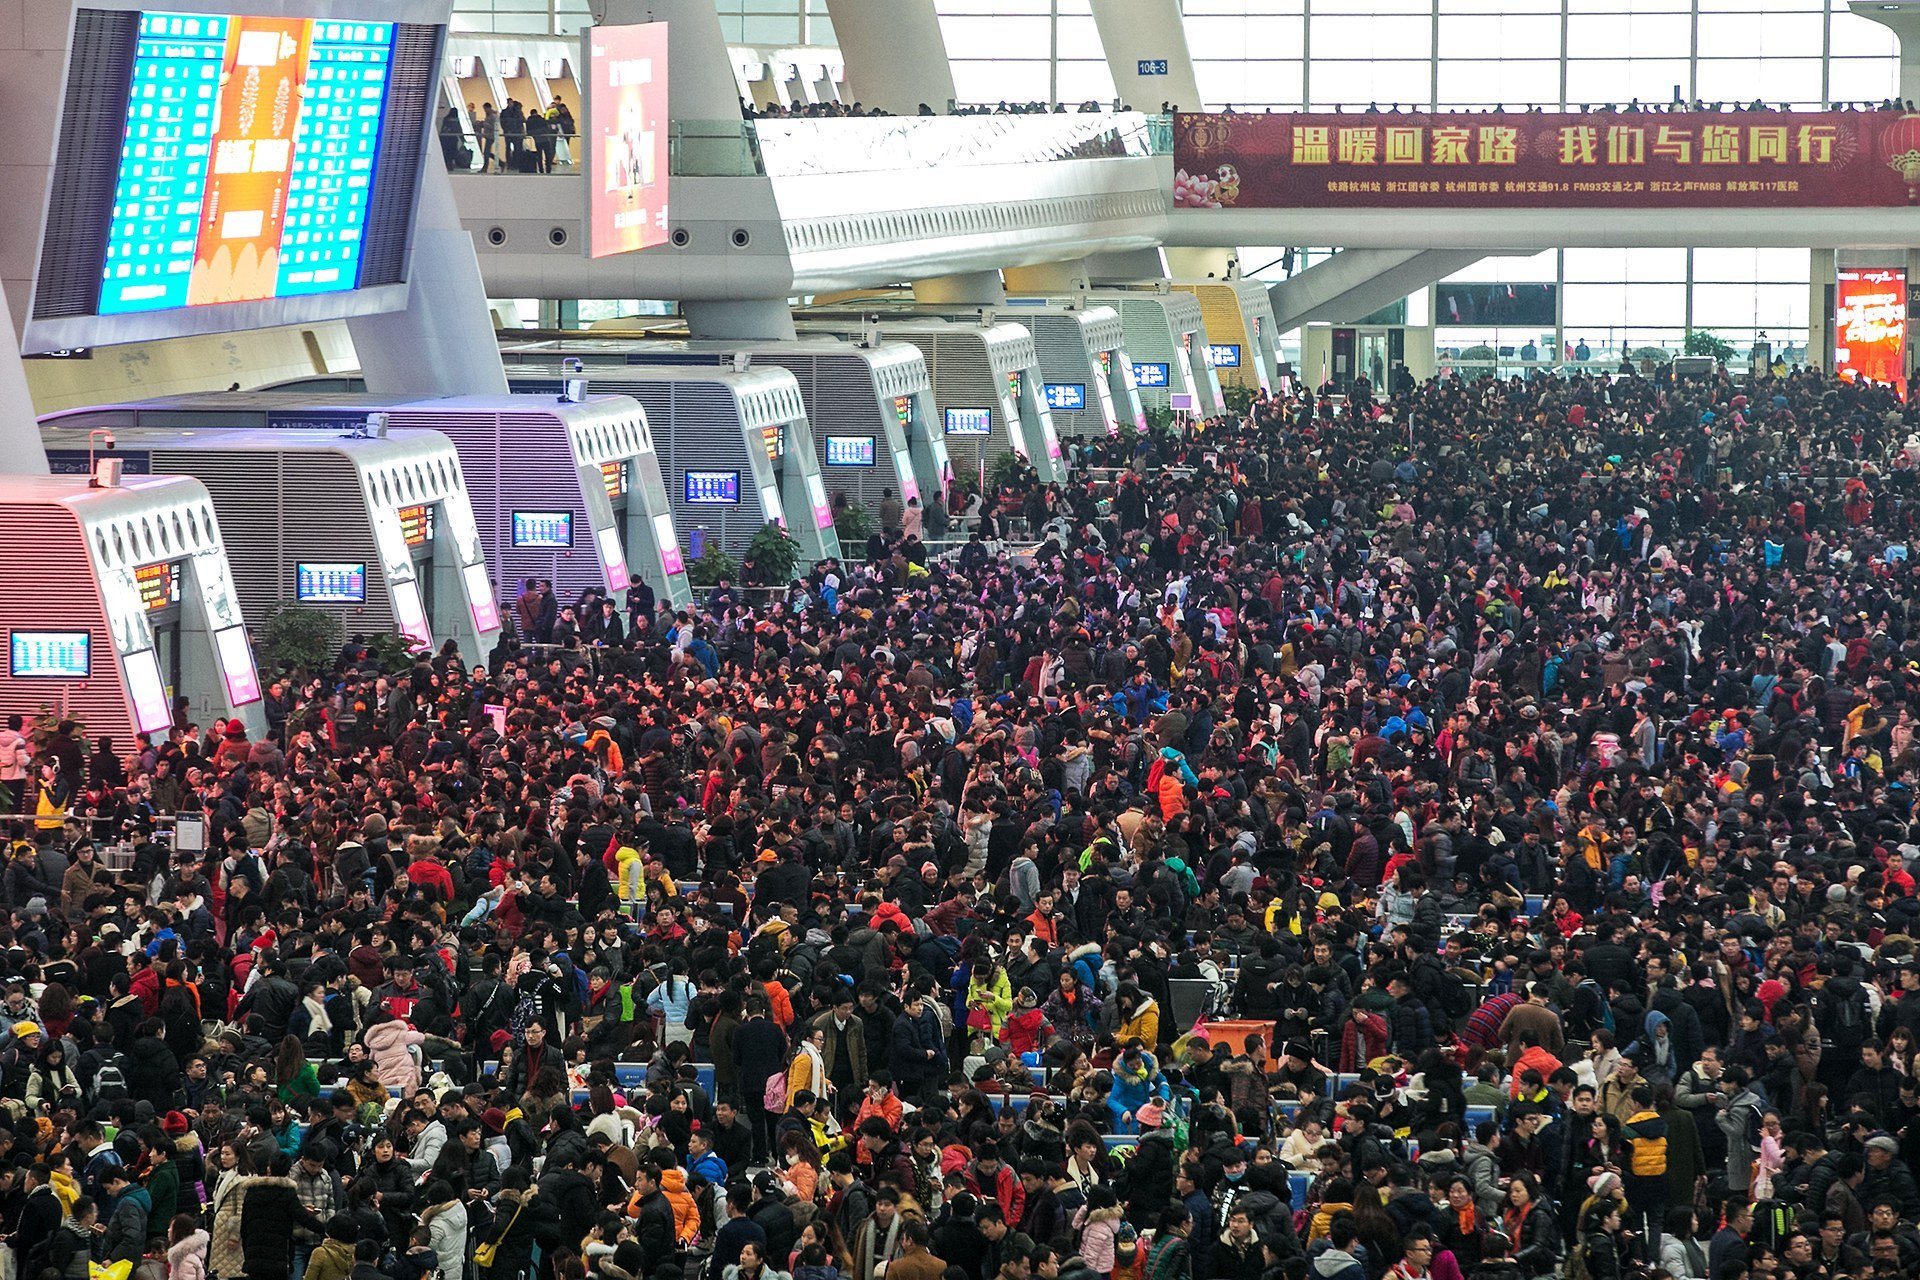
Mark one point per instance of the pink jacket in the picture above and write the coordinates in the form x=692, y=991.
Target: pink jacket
x=188, y=1259
x=388, y=1042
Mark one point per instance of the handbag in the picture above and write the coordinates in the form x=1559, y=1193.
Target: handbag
x=484, y=1255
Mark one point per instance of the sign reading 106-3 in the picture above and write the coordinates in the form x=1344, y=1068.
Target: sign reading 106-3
x=1153, y=66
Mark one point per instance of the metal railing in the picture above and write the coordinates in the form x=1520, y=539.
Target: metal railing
x=789, y=148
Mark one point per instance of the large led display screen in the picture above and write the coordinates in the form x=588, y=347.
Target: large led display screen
x=220, y=170
x=248, y=160
x=1870, y=324
x=626, y=138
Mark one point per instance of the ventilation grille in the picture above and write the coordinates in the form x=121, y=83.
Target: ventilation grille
x=93, y=123
x=698, y=425
x=1151, y=340
x=295, y=506
x=1061, y=341
x=963, y=378
x=396, y=171
x=49, y=538
x=841, y=399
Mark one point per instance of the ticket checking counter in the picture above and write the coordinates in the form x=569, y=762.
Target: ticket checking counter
x=117, y=601
x=1167, y=340
x=1086, y=374
x=1239, y=321
x=986, y=387
x=870, y=406
x=376, y=530
x=566, y=491
x=736, y=451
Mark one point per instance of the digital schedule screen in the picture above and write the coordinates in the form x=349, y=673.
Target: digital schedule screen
x=1225, y=355
x=1151, y=374
x=52, y=655
x=544, y=529
x=1066, y=395
x=330, y=582
x=219, y=171
x=849, y=451
x=713, y=488
x=247, y=166
x=968, y=422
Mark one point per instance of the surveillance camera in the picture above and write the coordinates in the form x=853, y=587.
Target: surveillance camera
x=573, y=364
x=110, y=441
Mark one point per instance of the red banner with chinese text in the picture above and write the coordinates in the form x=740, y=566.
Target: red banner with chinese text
x=1756, y=159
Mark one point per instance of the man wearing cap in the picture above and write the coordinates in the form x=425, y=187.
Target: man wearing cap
x=1888, y=1176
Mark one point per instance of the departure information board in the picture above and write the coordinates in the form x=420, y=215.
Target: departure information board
x=246, y=169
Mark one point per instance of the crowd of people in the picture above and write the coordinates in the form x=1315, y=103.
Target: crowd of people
x=514, y=139
x=1526, y=767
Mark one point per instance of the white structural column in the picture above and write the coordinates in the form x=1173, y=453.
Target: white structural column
x=1146, y=45
x=1822, y=272
x=1903, y=19
x=19, y=429
x=443, y=343
x=700, y=81
x=896, y=56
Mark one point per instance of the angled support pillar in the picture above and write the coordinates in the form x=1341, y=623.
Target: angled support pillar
x=19, y=428
x=1357, y=282
x=1904, y=21
x=1146, y=45
x=443, y=343
x=896, y=56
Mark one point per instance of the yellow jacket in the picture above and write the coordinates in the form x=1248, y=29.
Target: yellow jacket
x=996, y=998
x=1144, y=1025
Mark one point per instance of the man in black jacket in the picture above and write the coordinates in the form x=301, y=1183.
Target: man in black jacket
x=653, y=1224
x=571, y=1194
x=759, y=1050
x=40, y=1216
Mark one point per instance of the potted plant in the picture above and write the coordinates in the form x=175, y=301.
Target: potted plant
x=299, y=637
x=772, y=558
x=712, y=565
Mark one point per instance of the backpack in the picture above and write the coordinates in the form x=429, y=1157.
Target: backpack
x=1847, y=1022
x=109, y=1084
x=774, y=1096
x=1649, y=1155
x=1772, y=1224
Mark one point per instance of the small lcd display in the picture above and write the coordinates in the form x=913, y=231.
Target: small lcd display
x=1066, y=395
x=713, y=488
x=546, y=530
x=1150, y=374
x=330, y=582
x=1225, y=355
x=849, y=451
x=51, y=655
x=968, y=422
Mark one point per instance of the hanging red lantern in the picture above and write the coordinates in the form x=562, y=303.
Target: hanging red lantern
x=1900, y=147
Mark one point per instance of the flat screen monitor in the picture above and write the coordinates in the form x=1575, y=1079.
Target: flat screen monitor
x=236, y=665
x=1066, y=395
x=546, y=530
x=1151, y=374
x=627, y=128
x=330, y=582
x=968, y=422
x=1225, y=355
x=713, y=488
x=51, y=655
x=261, y=167
x=849, y=451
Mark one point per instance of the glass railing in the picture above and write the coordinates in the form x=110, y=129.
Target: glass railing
x=788, y=148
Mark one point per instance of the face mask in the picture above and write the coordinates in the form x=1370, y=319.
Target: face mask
x=1235, y=1177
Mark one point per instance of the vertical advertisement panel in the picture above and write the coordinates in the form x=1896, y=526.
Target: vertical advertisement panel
x=1870, y=324
x=627, y=138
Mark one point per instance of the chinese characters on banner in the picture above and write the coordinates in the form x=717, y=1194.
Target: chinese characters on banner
x=1549, y=160
x=1870, y=324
